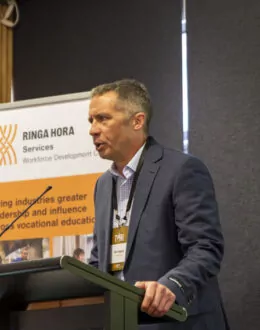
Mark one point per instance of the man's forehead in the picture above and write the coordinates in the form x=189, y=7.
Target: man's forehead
x=108, y=97
x=102, y=103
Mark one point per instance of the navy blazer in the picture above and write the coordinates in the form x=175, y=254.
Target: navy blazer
x=174, y=233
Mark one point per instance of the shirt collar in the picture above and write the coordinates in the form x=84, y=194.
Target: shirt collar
x=131, y=167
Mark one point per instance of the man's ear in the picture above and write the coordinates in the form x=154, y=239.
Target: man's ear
x=139, y=121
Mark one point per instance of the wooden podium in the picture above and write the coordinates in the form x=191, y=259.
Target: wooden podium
x=65, y=294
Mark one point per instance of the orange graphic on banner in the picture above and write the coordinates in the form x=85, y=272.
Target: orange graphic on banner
x=67, y=209
x=7, y=152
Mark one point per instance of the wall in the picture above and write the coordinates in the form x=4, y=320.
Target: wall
x=64, y=47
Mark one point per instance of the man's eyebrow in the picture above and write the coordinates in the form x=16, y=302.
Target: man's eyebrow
x=98, y=116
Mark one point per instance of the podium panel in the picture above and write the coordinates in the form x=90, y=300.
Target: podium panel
x=64, y=293
x=88, y=317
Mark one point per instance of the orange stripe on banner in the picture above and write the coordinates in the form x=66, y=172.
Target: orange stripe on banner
x=67, y=209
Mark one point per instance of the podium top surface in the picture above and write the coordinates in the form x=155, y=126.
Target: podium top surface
x=30, y=266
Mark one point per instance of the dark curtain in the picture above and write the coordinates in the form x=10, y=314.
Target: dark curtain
x=224, y=72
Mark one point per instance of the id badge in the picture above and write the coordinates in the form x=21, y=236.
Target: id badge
x=118, y=248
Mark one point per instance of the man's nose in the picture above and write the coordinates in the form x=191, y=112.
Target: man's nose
x=94, y=129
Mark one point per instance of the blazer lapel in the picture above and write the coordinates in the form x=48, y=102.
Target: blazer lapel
x=107, y=224
x=143, y=188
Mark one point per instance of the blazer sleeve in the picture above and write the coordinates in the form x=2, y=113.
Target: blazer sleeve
x=93, y=260
x=199, y=232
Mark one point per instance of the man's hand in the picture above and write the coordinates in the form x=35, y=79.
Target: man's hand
x=158, y=299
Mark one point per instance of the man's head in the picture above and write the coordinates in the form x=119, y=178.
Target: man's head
x=119, y=113
x=79, y=254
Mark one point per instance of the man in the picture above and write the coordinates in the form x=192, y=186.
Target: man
x=157, y=223
x=79, y=254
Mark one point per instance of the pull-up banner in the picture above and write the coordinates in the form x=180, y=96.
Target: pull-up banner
x=46, y=142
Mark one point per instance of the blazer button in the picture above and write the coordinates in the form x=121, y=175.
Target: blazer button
x=190, y=299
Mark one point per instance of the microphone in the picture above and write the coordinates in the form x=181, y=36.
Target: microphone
x=21, y=214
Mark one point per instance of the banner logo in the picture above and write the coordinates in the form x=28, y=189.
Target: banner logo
x=7, y=152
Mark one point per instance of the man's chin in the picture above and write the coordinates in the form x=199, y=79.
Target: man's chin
x=103, y=155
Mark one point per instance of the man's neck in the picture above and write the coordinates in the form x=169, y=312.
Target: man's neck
x=120, y=165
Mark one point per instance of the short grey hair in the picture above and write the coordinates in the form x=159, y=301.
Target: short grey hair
x=133, y=94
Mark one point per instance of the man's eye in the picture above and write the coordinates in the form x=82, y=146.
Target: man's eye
x=102, y=118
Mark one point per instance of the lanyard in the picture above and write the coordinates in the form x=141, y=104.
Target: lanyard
x=123, y=221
